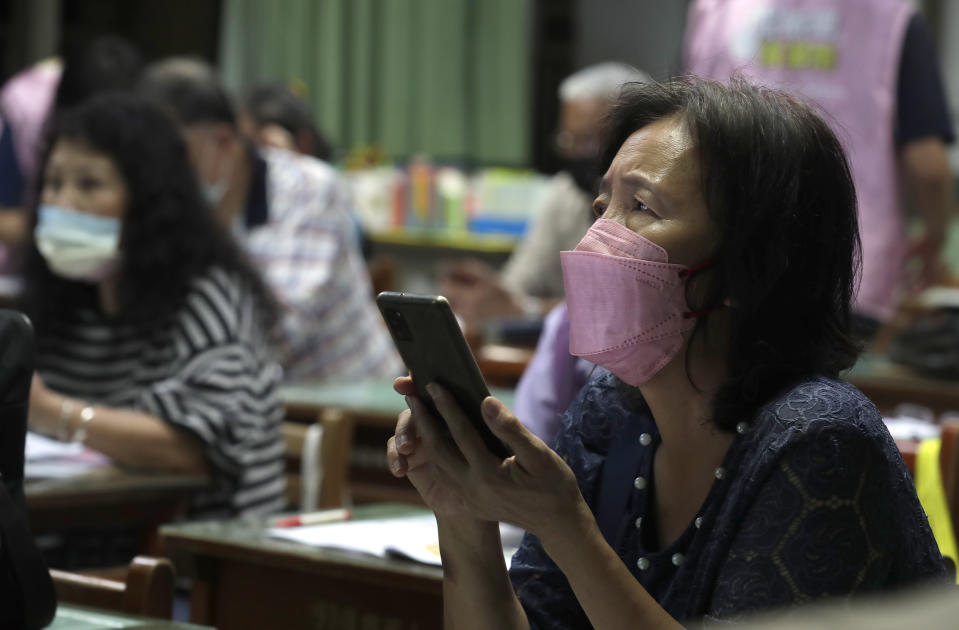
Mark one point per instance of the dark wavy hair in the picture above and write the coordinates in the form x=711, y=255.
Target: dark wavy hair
x=169, y=236
x=776, y=183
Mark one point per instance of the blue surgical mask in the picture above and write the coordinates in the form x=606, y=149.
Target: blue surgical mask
x=78, y=245
x=213, y=192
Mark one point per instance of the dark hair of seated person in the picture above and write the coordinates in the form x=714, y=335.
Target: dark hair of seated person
x=108, y=63
x=190, y=91
x=169, y=236
x=274, y=103
x=776, y=183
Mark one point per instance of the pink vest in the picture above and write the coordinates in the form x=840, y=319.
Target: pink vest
x=843, y=56
x=25, y=103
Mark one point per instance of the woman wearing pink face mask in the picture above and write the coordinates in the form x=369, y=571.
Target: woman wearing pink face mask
x=717, y=465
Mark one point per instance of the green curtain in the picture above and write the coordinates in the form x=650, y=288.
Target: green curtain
x=448, y=78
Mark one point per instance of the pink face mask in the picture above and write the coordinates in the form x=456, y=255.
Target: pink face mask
x=627, y=304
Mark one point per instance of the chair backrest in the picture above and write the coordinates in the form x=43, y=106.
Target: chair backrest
x=147, y=589
x=318, y=459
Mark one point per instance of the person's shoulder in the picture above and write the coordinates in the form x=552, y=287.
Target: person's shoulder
x=297, y=167
x=220, y=298
x=563, y=185
x=820, y=408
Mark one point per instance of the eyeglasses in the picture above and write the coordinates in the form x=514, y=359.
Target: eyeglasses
x=571, y=145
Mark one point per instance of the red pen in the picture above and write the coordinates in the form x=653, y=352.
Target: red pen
x=315, y=518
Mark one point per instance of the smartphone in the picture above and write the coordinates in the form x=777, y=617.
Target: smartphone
x=432, y=345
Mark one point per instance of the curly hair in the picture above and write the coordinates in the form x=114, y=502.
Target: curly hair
x=169, y=236
x=776, y=182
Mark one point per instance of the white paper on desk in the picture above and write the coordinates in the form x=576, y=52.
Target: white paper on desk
x=903, y=428
x=46, y=458
x=412, y=537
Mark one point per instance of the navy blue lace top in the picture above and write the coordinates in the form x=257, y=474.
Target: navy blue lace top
x=813, y=501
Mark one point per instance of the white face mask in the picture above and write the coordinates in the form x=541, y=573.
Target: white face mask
x=78, y=245
x=214, y=192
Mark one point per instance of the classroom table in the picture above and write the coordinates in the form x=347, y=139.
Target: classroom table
x=371, y=407
x=243, y=579
x=71, y=617
x=374, y=400
x=110, y=498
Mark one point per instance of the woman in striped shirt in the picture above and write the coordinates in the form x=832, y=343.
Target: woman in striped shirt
x=149, y=323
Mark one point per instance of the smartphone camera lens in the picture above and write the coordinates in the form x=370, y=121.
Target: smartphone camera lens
x=398, y=324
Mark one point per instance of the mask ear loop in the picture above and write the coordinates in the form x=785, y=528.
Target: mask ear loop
x=688, y=273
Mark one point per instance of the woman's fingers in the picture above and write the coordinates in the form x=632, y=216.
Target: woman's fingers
x=464, y=434
x=526, y=447
x=404, y=385
x=442, y=451
x=405, y=433
x=396, y=460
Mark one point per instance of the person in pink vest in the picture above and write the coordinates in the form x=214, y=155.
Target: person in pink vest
x=870, y=67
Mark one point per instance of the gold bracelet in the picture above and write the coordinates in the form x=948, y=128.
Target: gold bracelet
x=63, y=424
x=86, y=415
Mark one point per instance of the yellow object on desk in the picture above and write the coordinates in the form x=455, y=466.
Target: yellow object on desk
x=932, y=496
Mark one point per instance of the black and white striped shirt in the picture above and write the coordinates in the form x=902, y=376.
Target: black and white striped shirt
x=209, y=374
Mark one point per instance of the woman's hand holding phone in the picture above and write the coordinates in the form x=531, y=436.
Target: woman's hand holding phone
x=533, y=488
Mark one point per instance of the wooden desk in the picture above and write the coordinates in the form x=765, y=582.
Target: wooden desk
x=82, y=618
x=244, y=579
x=887, y=384
x=371, y=407
x=374, y=401
x=110, y=498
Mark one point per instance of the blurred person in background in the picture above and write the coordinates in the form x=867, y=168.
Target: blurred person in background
x=31, y=97
x=293, y=215
x=149, y=320
x=531, y=282
x=870, y=65
x=273, y=116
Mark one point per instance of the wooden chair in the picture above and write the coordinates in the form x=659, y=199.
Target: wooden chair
x=328, y=464
x=383, y=271
x=146, y=590
x=502, y=366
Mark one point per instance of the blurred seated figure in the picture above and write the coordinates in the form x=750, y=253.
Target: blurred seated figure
x=532, y=280
x=552, y=378
x=292, y=213
x=871, y=67
x=273, y=116
x=31, y=97
x=149, y=321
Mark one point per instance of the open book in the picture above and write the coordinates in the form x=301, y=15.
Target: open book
x=46, y=458
x=413, y=537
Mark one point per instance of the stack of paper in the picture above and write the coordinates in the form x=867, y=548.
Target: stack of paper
x=414, y=537
x=903, y=428
x=50, y=459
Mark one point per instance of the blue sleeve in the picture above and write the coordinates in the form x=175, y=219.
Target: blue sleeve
x=538, y=403
x=11, y=193
x=922, y=109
